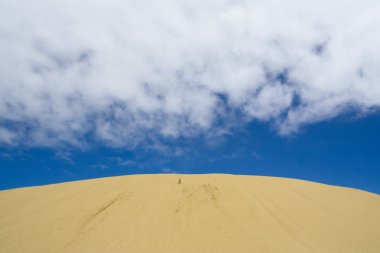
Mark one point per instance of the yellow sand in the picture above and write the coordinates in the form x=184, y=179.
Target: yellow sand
x=206, y=213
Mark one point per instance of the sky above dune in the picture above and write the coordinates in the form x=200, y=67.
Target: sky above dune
x=165, y=78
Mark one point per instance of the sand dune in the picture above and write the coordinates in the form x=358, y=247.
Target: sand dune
x=205, y=213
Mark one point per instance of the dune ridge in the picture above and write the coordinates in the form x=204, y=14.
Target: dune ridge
x=204, y=213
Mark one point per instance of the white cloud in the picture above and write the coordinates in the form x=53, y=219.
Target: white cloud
x=6, y=136
x=169, y=171
x=128, y=163
x=128, y=72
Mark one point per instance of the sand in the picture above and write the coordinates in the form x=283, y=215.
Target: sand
x=205, y=213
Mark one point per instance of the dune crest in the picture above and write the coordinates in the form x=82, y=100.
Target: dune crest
x=201, y=213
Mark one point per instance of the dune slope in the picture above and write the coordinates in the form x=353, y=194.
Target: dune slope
x=205, y=213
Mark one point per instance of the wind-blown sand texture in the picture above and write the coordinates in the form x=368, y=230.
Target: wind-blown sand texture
x=205, y=213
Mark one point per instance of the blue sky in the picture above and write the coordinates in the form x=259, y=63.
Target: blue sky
x=342, y=152
x=108, y=87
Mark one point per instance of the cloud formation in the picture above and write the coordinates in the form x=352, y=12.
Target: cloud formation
x=128, y=72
